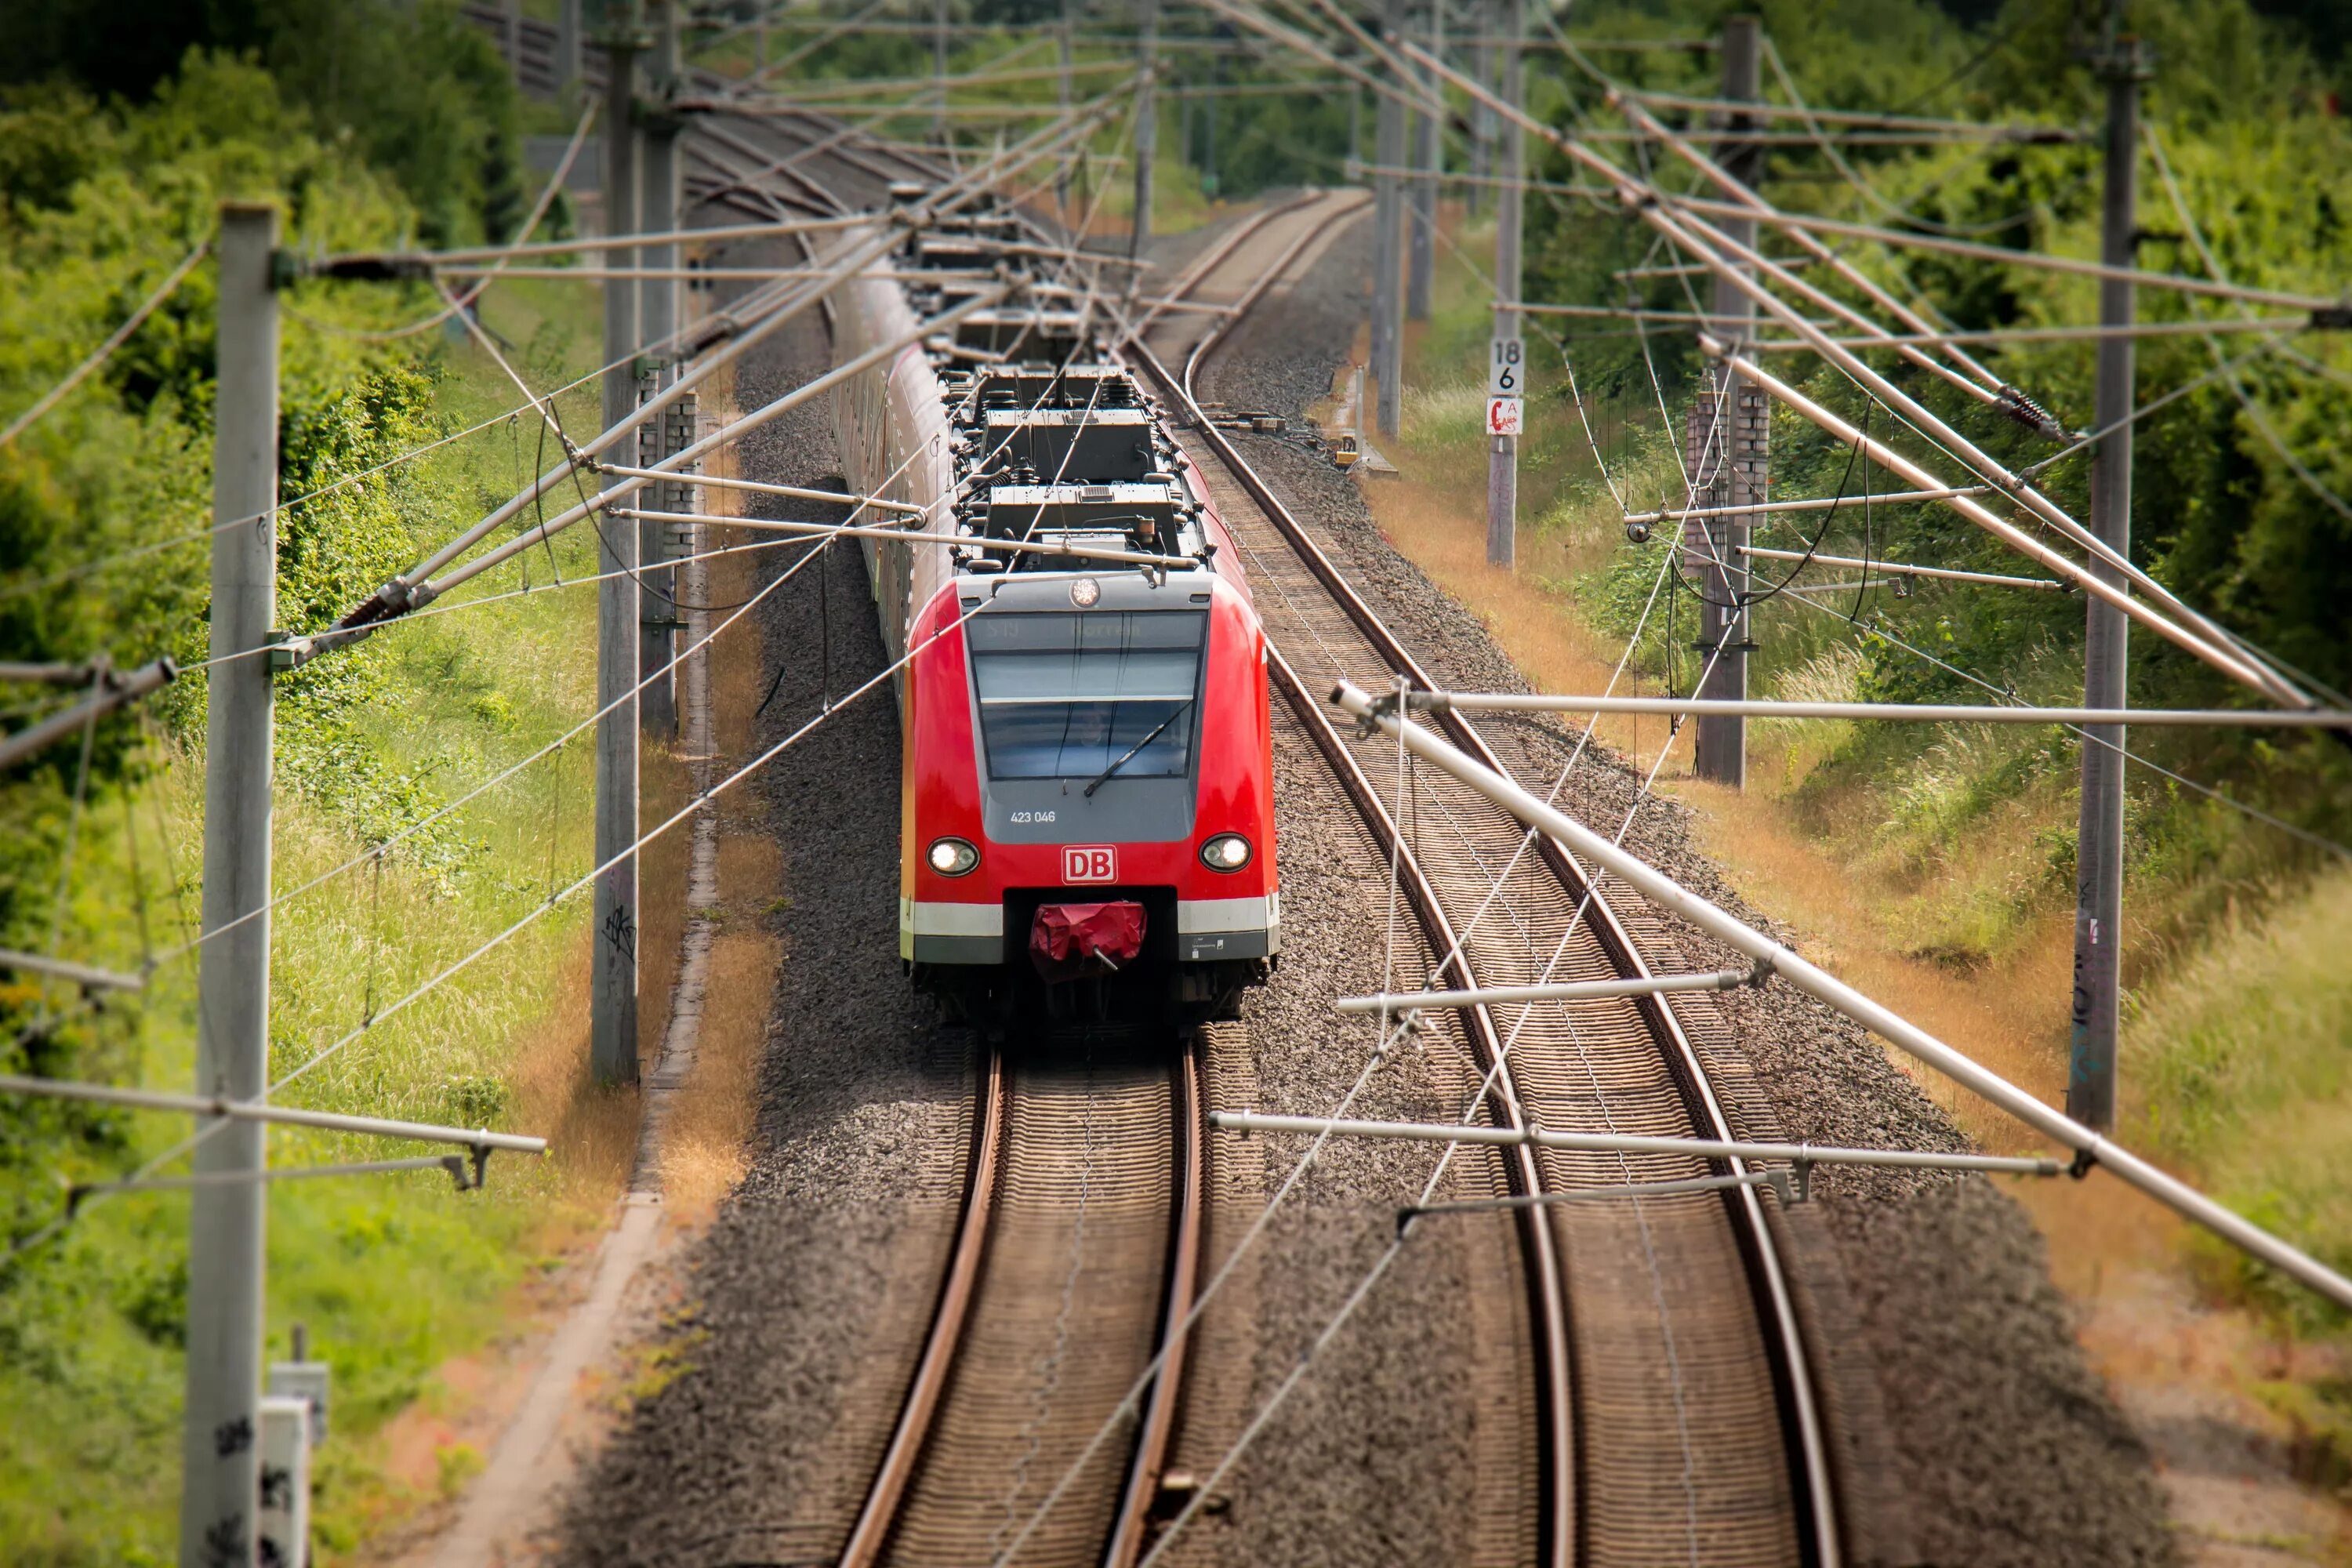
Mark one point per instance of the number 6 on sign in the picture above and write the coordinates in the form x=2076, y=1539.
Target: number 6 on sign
x=1502, y=415
x=1504, y=361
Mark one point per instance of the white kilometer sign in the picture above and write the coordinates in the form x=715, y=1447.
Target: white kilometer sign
x=1505, y=381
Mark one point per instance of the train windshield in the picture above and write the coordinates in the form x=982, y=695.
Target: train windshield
x=1065, y=696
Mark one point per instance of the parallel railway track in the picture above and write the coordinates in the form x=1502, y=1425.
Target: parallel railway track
x=1676, y=1407
x=1680, y=1417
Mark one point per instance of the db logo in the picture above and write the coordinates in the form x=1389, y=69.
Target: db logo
x=1089, y=863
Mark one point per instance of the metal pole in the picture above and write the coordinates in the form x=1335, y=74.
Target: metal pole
x=1740, y=459
x=1426, y=157
x=1147, y=131
x=939, y=70
x=2099, y=853
x=612, y=998
x=1388, y=258
x=1503, y=457
x=567, y=50
x=657, y=319
x=1064, y=45
x=1210, y=183
x=221, y=1475
x=1482, y=114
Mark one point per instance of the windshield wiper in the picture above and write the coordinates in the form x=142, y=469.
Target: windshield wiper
x=1103, y=777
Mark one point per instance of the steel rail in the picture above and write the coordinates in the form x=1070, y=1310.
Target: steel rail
x=990, y=1094
x=1768, y=1282
x=1558, y=1457
x=1257, y=291
x=1184, y=1250
x=1185, y=281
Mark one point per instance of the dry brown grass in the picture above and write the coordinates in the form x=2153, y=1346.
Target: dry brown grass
x=2011, y=1015
x=592, y=1131
x=707, y=1132
x=706, y=1135
x=665, y=783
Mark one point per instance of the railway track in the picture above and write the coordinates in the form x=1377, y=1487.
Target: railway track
x=1679, y=1413
x=1075, y=1258
x=1675, y=1406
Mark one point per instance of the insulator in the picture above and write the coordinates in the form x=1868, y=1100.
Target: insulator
x=2032, y=414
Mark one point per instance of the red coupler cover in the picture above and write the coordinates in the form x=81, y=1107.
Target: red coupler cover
x=1066, y=940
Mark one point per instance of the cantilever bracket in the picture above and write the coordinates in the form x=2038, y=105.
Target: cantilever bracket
x=467, y=1169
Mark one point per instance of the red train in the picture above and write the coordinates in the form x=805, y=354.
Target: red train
x=1087, y=800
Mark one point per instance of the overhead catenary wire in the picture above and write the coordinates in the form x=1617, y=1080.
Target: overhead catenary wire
x=403, y=591
x=1732, y=261
x=540, y=910
x=1665, y=893
x=1386, y=1039
x=465, y=303
x=376, y=853
x=2254, y=415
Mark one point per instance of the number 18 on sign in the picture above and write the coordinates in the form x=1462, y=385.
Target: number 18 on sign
x=1504, y=377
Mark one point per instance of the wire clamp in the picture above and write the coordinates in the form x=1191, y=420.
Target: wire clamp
x=2081, y=1165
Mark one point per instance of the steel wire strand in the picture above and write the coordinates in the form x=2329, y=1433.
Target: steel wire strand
x=1877, y=629
x=552, y=747
x=1863, y=187
x=105, y=351
x=772, y=313
x=57, y=579
x=2254, y=415
x=557, y=744
x=702, y=802
x=2197, y=633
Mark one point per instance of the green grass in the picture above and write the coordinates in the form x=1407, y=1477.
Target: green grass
x=393, y=1275
x=2238, y=1066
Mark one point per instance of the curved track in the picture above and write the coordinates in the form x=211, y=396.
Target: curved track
x=1677, y=1414
x=1682, y=1422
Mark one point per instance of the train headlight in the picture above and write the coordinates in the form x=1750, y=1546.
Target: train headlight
x=1226, y=852
x=953, y=857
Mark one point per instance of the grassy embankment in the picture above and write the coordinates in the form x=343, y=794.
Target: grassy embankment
x=395, y=1277
x=1935, y=871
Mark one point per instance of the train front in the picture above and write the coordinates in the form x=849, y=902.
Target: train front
x=1089, y=803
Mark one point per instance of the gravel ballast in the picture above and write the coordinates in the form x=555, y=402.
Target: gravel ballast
x=1401, y=1442
x=2002, y=1446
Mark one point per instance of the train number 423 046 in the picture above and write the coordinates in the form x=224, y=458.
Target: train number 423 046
x=1030, y=817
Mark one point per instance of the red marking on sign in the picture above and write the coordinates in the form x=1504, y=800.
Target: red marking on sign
x=1089, y=863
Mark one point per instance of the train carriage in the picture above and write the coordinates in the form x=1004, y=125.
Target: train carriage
x=1086, y=809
